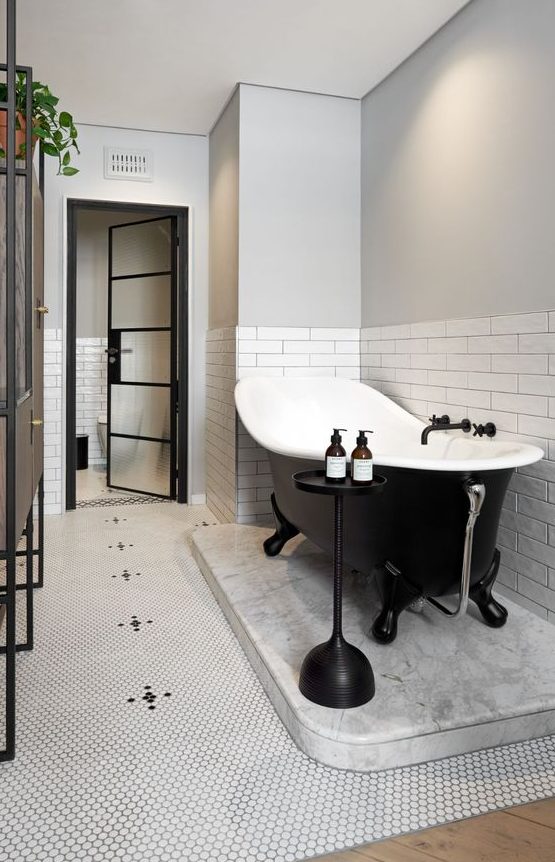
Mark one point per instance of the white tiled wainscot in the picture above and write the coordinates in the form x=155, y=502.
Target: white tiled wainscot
x=499, y=369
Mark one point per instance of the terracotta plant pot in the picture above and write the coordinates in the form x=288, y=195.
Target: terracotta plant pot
x=19, y=134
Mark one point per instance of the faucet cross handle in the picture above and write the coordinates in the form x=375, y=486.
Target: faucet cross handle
x=488, y=429
x=440, y=420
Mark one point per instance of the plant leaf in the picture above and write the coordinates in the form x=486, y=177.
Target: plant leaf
x=66, y=158
x=39, y=132
x=70, y=172
x=66, y=120
x=49, y=149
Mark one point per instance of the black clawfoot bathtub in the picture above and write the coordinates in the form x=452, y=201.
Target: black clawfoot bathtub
x=438, y=514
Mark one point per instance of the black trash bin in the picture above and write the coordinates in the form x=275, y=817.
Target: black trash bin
x=82, y=451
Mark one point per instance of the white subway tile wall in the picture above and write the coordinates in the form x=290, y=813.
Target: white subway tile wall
x=221, y=375
x=239, y=483
x=489, y=368
x=283, y=352
x=91, y=391
x=53, y=412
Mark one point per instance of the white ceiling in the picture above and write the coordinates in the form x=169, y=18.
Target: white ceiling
x=170, y=65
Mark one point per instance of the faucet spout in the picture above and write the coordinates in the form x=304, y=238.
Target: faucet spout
x=443, y=423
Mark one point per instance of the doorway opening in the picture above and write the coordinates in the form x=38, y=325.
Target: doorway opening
x=126, y=352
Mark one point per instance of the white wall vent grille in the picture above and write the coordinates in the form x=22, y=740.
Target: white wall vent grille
x=121, y=164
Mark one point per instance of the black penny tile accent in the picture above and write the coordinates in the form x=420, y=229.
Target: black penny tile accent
x=135, y=623
x=127, y=575
x=129, y=500
x=149, y=698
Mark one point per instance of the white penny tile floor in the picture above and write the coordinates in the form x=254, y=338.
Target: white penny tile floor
x=144, y=734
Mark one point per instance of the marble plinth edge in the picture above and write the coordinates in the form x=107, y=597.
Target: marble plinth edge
x=322, y=733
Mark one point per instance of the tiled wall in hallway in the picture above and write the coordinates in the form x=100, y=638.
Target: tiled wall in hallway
x=91, y=395
x=499, y=369
x=91, y=391
x=53, y=417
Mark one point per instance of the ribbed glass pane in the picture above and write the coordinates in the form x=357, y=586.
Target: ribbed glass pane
x=141, y=248
x=20, y=309
x=3, y=488
x=141, y=411
x=145, y=357
x=141, y=302
x=140, y=465
x=3, y=329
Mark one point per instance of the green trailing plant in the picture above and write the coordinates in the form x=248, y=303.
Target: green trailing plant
x=53, y=128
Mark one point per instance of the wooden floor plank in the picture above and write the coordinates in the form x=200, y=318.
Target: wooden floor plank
x=389, y=851
x=522, y=834
x=499, y=837
x=539, y=812
x=344, y=856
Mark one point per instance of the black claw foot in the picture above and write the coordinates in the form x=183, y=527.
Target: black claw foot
x=493, y=613
x=384, y=629
x=273, y=545
x=284, y=531
x=397, y=594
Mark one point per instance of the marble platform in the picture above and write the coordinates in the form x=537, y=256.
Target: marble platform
x=443, y=687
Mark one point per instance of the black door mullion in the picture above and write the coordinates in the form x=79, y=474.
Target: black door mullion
x=143, y=329
x=141, y=274
x=142, y=437
x=143, y=383
x=182, y=407
x=173, y=360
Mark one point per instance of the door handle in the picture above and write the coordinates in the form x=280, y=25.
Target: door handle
x=42, y=309
x=111, y=351
x=34, y=423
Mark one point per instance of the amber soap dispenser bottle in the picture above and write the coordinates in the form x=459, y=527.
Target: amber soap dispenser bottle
x=336, y=458
x=361, y=461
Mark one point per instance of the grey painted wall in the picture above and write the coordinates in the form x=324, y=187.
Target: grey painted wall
x=224, y=217
x=458, y=182
x=299, y=205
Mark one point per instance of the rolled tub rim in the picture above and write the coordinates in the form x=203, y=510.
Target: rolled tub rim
x=520, y=454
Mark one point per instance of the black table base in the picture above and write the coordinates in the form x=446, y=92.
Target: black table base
x=336, y=673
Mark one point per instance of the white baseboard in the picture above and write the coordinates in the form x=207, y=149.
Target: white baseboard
x=198, y=499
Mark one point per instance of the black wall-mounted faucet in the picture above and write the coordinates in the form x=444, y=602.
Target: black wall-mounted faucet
x=443, y=423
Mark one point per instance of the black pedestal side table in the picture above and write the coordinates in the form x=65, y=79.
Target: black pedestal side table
x=336, y=673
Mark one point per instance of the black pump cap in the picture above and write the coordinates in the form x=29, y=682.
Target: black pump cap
x=336, y=436
x=362, y=439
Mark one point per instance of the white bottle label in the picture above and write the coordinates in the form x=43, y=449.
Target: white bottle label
x=362, y=469
x=336, y=466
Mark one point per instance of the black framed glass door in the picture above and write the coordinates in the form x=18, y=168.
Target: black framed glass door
x=142, y=357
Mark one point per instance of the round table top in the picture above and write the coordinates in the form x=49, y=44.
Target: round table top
x=314, y=482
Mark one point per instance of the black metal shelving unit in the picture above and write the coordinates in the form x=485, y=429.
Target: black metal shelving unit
x=15, y=406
